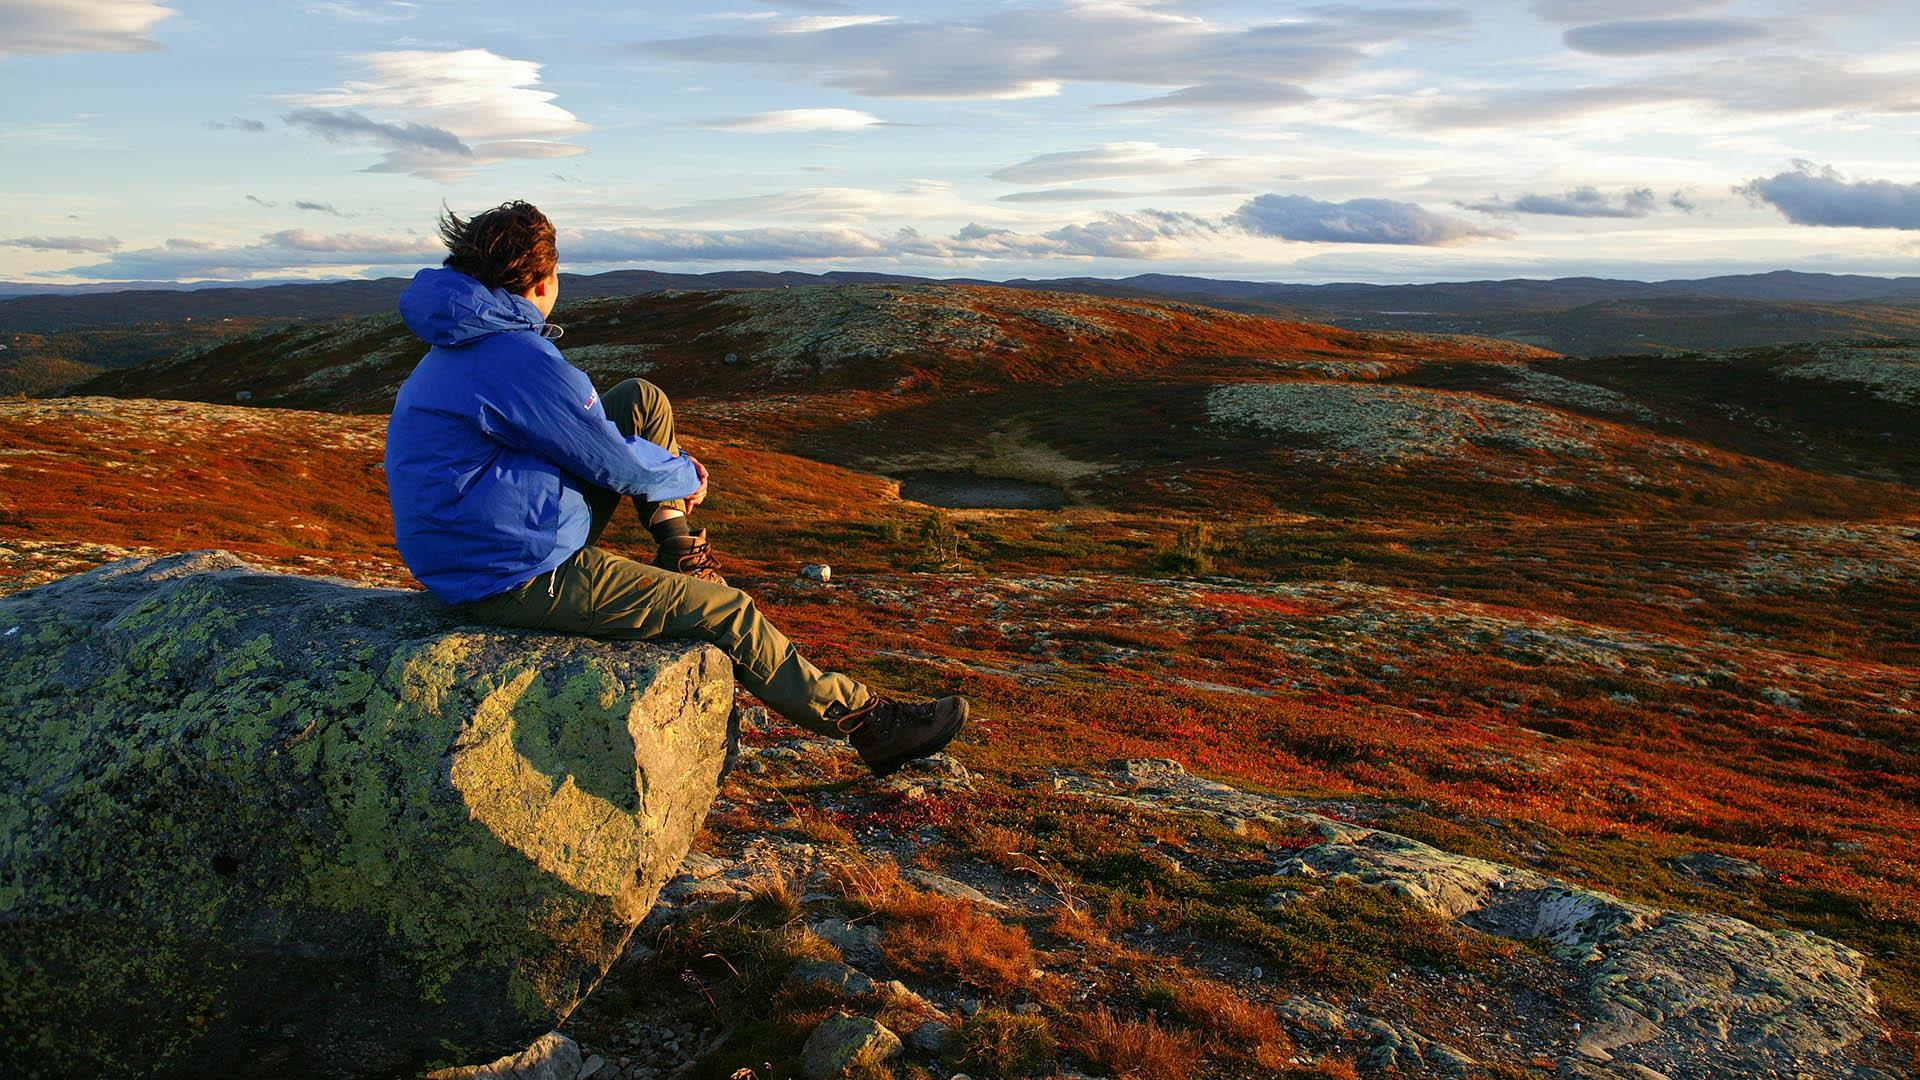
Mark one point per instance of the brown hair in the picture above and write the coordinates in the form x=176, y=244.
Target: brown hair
x=508, y=247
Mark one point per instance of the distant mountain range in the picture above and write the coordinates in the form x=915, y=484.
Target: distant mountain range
x=101, y=306
x=50, y=339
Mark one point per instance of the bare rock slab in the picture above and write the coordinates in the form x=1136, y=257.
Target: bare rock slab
x=259, y=824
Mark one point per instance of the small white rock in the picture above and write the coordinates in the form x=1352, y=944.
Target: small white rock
x=819, y=572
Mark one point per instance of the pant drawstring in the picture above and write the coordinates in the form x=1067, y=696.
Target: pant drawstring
x=553, y=582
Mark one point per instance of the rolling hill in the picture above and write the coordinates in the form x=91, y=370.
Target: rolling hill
x=1604, y=618
x=52, y=339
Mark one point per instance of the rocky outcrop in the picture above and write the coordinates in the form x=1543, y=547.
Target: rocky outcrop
x=1667, y=993
x=258, y=824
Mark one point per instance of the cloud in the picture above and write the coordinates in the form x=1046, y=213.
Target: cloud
x=389, y=12
x=257, y=200
x=1582, y=202
x=1816, y=195
x=1142, y=235
x=63, y=26
x=238, y=123
x=1101, y=162
x=338, y=125
x=1762, y=85
x=1078, y=194
x=1650, y=36
x=442, y=115
x=1024, y=52
x=788, y=120
x=1069, y=194
x=90, y=244
x=1588, y=11
x=283, y=252
x=705, y=245
x=319, y=207
x=1356, y=221
x=1223, y=94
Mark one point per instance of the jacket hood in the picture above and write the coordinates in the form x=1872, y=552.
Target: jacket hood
x=443, y=306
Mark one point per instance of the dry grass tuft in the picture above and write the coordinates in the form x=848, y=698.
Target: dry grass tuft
x=926, y=933
x=816, y=826
x=1135, y=1049
x=932, y=934
x=1210, y=1006
x=775, y=895
x=869, y=1064
x=867, y=883
x=1001, y=1043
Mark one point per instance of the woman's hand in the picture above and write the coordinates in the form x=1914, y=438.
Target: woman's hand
x=699, y=496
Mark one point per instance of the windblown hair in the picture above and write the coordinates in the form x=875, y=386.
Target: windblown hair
x=508, y=247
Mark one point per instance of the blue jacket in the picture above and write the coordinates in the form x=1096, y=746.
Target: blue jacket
x=493, y=440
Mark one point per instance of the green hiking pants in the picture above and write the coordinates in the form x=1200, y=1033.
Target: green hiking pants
x=601, y=594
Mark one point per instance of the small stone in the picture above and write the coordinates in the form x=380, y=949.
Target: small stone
x=700, y=866
x=1308, y=1013
x=859, y=943
x=830, y=975
x=838, y=1040
x=819, y=572
x=591, y=1066
x=244, y=395
x=930, y=1037
x=1719, y=869
x=946, y=886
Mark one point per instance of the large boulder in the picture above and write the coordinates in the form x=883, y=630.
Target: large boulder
x=259, y=824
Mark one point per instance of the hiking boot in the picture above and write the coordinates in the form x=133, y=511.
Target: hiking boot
x=690, y=555
x=888, y=734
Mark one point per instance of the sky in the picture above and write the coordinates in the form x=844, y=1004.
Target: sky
x=191, y=140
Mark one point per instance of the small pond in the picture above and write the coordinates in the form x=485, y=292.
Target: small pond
x=970, y=491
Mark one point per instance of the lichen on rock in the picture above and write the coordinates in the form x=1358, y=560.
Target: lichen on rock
x=262, y=823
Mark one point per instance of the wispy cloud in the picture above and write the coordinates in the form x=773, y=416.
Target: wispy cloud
x=238, y=123
x=1081, y=194
x=1581, y=202
x=1141, y=235
x=1810, y=194
x=1102, y=162
x=76, y=244
x=442, y=115
x=1356, y=221
x=338, y=125
x=286, y=251
x=1239, y=94
x=64, y=26
x=1645, y=37
x=781, y=121
x=1034, y=51
x=1589, y=11
x=319, y=207
x=1774, y=84
x=389, y=11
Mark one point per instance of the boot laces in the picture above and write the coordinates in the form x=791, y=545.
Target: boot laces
x=697, y=559
x=875, y=718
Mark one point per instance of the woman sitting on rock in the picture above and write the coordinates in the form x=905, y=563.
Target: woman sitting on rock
x=504, y=466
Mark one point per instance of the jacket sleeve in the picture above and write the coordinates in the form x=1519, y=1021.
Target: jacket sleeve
x=550, y=408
